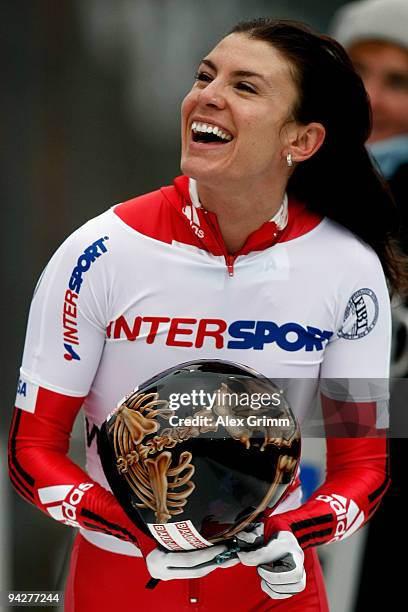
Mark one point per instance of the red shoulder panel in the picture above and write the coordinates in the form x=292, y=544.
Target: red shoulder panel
x=168, y=215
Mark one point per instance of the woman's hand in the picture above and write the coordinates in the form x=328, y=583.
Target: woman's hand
x=195, y=564
x=279, y=563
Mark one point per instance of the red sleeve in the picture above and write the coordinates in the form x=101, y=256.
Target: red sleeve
x=357, y=477
x=44, y=475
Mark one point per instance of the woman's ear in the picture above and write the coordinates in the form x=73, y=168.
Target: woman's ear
x=305, y=141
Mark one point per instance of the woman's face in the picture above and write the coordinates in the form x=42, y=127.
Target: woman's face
x=384, y=69
x=243, y=87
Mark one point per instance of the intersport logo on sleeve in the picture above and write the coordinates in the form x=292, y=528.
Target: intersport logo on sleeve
x=197, y=333
x=70, y=308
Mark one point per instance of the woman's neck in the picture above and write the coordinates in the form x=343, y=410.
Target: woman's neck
x=239, y=213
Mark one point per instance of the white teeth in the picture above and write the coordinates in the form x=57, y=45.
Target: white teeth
x=196, y=126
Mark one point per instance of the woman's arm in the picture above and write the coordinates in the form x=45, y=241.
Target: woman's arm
x=354, y=392
x=64, y=344
x=356, y=479
x=44, y=475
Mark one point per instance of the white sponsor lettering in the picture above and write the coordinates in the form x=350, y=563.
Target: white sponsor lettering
x=192, y=215
x=69, y=495
x=349, y=516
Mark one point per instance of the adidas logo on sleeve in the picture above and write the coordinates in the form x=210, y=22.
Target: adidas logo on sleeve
x=61, y=501
x=349, y=515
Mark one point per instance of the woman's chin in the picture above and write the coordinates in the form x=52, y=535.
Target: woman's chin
x=198, y=170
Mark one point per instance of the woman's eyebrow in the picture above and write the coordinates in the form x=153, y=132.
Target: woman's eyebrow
x=241, y=73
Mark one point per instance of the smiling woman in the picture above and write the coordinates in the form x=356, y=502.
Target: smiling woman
x=272, y=250
x=244, y=87
x=245, y=90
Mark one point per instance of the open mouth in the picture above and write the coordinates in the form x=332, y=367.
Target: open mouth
x=209, y=133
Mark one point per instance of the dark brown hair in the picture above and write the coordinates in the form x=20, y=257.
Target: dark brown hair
x=340, y=180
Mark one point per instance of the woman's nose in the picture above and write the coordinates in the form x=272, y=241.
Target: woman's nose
x=213, y=95
x=376, y=93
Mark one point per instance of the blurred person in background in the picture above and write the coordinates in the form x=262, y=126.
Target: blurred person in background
x=263, y=225
x=375, y=34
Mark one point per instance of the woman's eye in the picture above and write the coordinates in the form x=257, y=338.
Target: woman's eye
x=398, y=82
x=246, y=87
x=202, y=76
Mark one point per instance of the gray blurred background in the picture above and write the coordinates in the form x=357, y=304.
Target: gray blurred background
x=90, y=117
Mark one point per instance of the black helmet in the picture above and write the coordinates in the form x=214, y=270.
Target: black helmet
x=200, y=451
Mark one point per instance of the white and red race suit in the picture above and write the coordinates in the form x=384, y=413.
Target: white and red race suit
x=149, y=284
